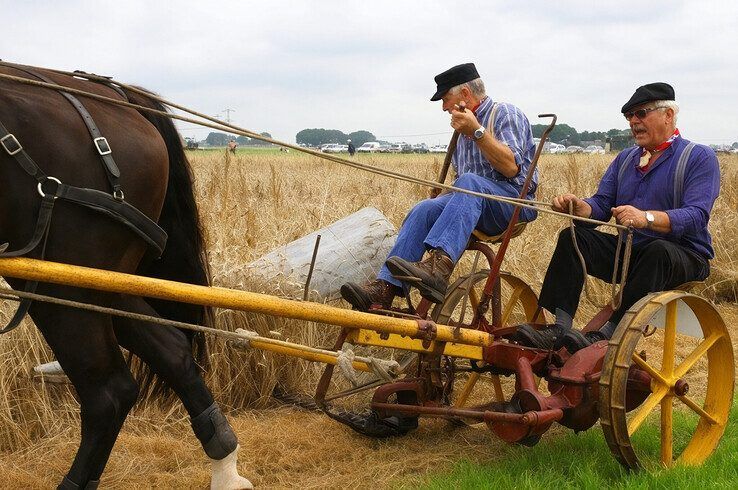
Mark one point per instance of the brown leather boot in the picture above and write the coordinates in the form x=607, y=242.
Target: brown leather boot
x=430, y=275
x=364, y=296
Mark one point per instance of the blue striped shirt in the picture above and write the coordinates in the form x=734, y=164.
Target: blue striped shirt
x=511, y=128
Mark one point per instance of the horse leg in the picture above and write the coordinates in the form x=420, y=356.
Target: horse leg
x=87, y=350
x=168, y=353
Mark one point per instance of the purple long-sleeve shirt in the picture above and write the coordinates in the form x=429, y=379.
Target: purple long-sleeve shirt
x=654, y=191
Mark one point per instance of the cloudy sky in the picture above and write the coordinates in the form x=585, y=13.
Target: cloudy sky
x=283, y=66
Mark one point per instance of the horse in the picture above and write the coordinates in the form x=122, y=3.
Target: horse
x=154, y=177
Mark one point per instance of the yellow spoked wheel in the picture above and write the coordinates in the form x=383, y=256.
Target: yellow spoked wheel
x=518, y=305
x=677, y=413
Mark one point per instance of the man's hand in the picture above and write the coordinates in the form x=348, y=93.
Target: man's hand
x=463, y=121
x=630, y=216
x=580, y=207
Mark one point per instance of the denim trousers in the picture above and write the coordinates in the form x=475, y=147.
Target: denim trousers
x=447, y=221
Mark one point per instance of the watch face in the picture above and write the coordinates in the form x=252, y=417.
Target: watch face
x=479, y=133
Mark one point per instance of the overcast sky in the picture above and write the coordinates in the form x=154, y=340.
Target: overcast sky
x=283, y=66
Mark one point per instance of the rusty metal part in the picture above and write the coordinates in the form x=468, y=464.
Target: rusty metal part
x=495, y=268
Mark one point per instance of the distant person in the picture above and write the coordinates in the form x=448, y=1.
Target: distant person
x=232, y=145
x=493, y=155
x=671, y=243
x=351, y=148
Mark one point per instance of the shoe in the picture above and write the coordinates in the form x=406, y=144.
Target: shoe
x=430, y=275
x=575, y=340
x=547, y=339
x=364, y=296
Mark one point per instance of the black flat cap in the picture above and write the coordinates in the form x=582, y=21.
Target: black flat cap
x=452, y=77
x=649, y=93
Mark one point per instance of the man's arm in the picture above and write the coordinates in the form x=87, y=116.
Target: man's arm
x=498, y=154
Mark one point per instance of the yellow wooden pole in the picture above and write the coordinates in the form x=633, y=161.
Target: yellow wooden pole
x=116, y=282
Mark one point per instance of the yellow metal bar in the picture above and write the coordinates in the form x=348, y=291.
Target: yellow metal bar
x=468, y=388
x=297, y=351
x=370, y=337
x=667, y=431
x=116, y=282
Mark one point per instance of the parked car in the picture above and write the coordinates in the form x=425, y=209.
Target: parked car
x=594, y=150
x=556, y=148
x=334, y=148
x=369, y=147
x=574, y=149
x=438, y=149
x=395, y=148
x=420, y=148
x=384, y=148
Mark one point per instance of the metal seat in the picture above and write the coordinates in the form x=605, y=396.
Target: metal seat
x=481, y=237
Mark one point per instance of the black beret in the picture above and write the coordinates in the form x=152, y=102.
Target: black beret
x=452, y=77
x=649, y=93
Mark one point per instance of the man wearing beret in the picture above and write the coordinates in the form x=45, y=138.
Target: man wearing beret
x=664, y=188
x=492, y=156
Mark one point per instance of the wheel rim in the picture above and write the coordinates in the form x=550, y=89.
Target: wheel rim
x=519, y=304
x=689, y=424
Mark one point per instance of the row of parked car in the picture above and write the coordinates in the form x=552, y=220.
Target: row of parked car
x=557, y=148
x=377, y=147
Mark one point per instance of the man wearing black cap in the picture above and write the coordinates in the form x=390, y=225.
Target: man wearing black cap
x=493, y=154
x=664, y=188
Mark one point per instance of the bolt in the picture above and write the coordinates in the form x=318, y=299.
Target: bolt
x=681, y=387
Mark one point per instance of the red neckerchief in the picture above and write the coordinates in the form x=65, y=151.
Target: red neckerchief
x=663, y=146
x=474, y=109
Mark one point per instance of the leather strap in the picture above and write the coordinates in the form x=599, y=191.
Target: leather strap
x=101, y=143
x=99, y=201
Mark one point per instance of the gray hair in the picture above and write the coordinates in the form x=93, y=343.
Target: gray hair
x=668, y=104
x=476, y=87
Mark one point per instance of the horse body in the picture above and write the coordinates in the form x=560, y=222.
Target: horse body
x=155, y=179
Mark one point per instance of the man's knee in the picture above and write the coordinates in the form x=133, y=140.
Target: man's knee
x=469, y=181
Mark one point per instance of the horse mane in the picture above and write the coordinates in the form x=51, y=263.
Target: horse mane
x=185, y=256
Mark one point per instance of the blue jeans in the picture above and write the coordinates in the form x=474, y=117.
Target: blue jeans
x=448, y=221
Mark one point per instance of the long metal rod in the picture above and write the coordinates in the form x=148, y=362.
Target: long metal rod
x=242, y=340
x=116, y=282
x=369, y=168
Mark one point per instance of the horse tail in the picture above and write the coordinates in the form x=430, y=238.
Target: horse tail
x=185, y=256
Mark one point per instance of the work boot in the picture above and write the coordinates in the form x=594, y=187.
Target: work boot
x=575, y=340
x=376, y=292
x=547, y=339
x=430, y=275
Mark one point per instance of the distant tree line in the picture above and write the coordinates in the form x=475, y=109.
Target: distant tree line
x=222, y=139
x=566, y=135
x=317, y=137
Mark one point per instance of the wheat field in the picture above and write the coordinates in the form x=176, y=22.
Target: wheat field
x=250, y=203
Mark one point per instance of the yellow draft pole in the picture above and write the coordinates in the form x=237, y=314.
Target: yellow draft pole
x=116, y=282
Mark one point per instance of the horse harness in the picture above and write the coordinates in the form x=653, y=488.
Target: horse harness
x=111, y=204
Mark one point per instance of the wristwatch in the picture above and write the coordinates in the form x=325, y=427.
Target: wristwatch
x=650, y=218
x=479, y=132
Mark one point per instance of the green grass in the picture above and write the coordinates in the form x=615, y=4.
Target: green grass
x=584, y=461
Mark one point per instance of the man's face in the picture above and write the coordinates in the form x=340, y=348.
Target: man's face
x=450, y=100
x=654, y=127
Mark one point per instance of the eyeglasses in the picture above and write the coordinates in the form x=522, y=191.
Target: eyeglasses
x=640, y=113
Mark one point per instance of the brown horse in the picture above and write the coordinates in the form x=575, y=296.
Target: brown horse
x=154, y=178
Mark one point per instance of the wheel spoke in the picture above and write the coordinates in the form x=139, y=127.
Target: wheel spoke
x=468, y=387
x=645, y=409
x=695, y=355
x=667, y=360
x=650, y=370
x=511, y=302
x=499, y=395
x=666, y=431
x=697, y=409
